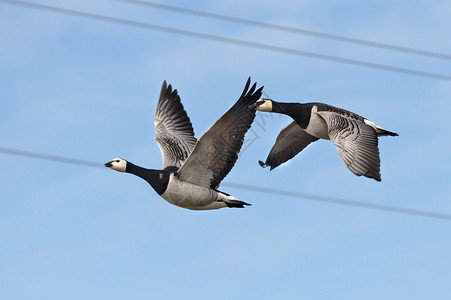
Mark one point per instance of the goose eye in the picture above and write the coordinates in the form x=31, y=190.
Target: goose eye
x=117, y=160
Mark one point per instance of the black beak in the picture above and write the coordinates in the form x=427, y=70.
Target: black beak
x=253, y=106
x=108, y=164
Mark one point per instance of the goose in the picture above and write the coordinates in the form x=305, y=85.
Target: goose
x=193, y=169
x=355, y=137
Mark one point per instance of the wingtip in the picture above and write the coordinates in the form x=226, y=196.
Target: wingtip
x=246, y=88
x=165, y=87
x=250, y=93
x=248, y=82
x=375, y=176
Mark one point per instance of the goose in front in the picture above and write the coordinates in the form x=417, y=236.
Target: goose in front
x=355, y=137
x=193, y=169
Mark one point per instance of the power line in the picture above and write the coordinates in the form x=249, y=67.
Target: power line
x=386, y=208
x=290, y=29
x=50, y=157
x=230, y=40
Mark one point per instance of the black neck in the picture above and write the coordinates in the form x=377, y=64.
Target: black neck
x=282, y=107
x=156, y=178
x=298, y=111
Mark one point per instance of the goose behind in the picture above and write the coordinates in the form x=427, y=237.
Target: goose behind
x=355, y=137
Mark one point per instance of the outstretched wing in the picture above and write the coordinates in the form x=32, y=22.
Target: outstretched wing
x=291, y=140
x=217, y=150
x=356, y=143
x=173, y=130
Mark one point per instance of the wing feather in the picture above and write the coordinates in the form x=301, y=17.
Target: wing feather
x=174, y=132
x=356, y=143
x=291, y=140
x=217, y=150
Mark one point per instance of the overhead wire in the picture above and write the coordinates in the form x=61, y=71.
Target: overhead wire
x=229, y=40
x=260, y=189
x=50, y=157
x=334, y=200
x=288, y=29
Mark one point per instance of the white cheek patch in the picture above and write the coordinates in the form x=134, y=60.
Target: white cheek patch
x=119, y=164
x=266, y=106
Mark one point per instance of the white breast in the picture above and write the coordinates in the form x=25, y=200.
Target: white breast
x=317, y=126
x=188, y=195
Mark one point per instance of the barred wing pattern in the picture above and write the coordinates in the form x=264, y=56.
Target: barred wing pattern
x=356, y=143
x=343, y=112
x=174, y=132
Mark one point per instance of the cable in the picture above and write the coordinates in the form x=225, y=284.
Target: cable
x=400, y=210
x=50, y=157
x=230, y=40
x=289, y=29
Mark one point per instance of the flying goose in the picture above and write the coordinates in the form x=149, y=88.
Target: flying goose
x=193, y=169
x=355, y=137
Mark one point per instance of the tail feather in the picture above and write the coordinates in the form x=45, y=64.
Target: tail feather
x=383, y=132
x=231, y=201
x=236, y=203
x=379, y=130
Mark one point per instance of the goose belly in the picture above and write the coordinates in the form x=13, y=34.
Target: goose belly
x=317, y=127
x=188, y=195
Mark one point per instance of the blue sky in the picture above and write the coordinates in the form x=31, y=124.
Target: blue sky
x=88, y=89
